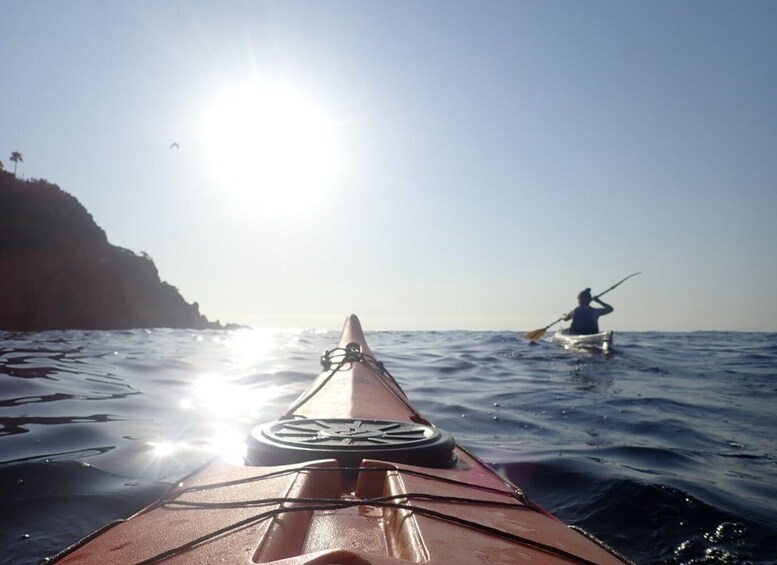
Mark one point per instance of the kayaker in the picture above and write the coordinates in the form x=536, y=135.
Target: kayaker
x=585, y=318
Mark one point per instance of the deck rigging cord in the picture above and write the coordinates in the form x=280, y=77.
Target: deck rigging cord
x=333, y=360
x=519, y=502
x=312, y=505
x=515, y=492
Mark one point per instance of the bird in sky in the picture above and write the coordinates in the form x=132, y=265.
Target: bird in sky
x=174, y=144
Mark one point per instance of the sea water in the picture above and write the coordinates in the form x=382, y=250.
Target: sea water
x=665, y=449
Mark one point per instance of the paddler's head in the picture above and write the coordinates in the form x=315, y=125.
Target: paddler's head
x=584, y=298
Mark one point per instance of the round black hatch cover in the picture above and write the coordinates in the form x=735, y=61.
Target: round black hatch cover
x=349, y=441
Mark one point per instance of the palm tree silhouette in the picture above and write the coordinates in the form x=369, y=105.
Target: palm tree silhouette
x=16, y=157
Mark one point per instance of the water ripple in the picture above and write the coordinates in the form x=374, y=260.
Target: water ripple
x=665, y=449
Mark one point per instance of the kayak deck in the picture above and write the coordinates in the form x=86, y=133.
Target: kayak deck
x=317, y=513
x=332, y=482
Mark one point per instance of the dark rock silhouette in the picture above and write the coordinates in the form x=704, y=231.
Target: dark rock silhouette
x=58, y=271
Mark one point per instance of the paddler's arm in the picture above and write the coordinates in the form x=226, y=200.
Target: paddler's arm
x=607, y=308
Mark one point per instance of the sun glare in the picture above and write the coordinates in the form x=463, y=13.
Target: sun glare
x=272, y=147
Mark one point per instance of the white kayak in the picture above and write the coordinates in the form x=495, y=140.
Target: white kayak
x=601, y=340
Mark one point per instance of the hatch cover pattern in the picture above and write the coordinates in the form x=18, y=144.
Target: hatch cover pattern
x=349, y=441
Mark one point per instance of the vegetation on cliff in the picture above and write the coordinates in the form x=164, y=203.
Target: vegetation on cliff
x=58, y=271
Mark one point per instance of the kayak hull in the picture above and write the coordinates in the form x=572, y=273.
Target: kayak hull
x=339, y=498
x=601, y=341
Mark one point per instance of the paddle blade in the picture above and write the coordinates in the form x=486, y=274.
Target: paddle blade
x=536, y=334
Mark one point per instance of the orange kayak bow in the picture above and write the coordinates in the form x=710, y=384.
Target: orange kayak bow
x=350, y=474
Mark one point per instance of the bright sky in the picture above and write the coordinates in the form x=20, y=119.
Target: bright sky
x=426, y=165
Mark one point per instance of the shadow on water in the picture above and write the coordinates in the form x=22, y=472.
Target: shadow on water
x=690, y=531
x=49, y=504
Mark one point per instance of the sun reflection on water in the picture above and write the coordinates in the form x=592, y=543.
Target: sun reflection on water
x=228, y=444
x=216, y=410
x=163, y=449
x=225, y=399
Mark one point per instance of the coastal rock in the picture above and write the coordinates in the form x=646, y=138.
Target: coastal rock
x=58, y=270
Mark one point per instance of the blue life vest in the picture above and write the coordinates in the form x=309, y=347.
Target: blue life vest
x=585, y=320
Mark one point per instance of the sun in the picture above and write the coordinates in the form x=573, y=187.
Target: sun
x=272, y=147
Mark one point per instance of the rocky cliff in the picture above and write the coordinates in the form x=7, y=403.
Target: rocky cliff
x=58, y=271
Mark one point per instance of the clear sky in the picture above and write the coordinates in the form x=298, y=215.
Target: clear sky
x=426, y=165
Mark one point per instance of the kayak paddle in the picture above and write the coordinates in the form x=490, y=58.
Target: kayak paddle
x=537, y=334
